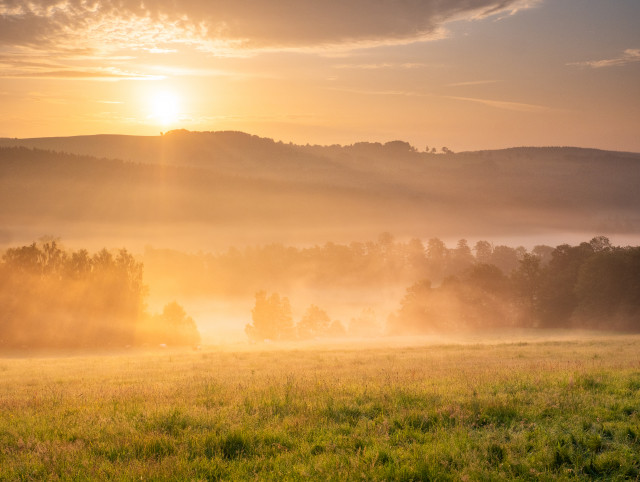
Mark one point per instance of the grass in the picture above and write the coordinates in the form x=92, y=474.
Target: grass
x=533, y=411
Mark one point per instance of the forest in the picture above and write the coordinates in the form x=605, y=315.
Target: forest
x=590, y=286
x=53, y=298
x=56, y=298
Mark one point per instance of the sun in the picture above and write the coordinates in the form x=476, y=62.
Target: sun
x=165, y=107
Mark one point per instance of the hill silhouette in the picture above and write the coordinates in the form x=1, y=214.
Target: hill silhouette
x=241, y=186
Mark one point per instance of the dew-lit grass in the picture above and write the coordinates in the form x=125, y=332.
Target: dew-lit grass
x=536, y=411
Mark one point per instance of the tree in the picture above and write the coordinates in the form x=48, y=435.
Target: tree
x=608, y=290
x=399, y=147
x=412, y=317
x=272, y=319
x=437, y=258
x=79, y=265
x=25, y=259
x=526, y=281
x=52, y=257
x=175, y=327
x=314, y=323
x=557, y=297
x=486, y=277
x=505, y=258
x=543, y=252
x=461, y=258
x=483, y=250
x=600, y=243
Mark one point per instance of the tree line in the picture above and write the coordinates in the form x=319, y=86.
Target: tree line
x=54, y=298
x=370, y=264
x=593, y=285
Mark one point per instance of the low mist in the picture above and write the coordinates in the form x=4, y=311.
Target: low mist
x=223, y=237
x=55, y=298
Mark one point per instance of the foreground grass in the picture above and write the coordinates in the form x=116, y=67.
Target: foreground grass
x=535, y=411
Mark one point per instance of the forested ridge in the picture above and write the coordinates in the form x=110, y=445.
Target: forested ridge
x=235, y=182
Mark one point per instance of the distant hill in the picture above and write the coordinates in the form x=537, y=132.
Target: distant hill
x=233, y=185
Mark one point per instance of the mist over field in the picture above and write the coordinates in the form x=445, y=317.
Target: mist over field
x=260, y=241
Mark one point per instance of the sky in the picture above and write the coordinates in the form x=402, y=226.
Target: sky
x=465, y=74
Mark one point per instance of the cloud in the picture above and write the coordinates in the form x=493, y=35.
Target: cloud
x=230, y=26
x=399, y=93
x=101, y=75
x=382, y=65
x=628, y=56
x=499, y=104
x=473, y=82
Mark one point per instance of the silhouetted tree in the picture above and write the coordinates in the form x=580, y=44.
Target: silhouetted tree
x=526, y=281
x=272, y=319
x=543, y=252
x=505, y=258
x=483, y=250
x=413, y=315
x=607, y=289
x=174, y=327
x=314, y=323
x=600, y=243
x=437, y=258
x=557, y=297
x=461, y=258
x=486, y=277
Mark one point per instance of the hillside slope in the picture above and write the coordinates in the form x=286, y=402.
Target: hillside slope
x=236, y=185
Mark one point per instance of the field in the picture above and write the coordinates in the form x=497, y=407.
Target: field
x=529, y=410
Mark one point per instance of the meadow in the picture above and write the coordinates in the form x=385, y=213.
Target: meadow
x=531, y=410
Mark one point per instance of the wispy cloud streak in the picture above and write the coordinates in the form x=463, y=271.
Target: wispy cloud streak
x=98, y=75
x=629, y=56
x=382, y=65
x=473, y=82
x=500, y=104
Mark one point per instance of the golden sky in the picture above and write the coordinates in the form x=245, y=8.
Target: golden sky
x=467, y=74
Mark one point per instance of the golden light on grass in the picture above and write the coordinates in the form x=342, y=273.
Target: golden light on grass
x=533, y=410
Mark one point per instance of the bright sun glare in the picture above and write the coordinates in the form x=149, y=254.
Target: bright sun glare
x=165, y=107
